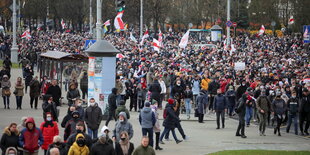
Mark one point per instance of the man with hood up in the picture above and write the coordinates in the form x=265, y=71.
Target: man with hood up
x=102, y=147
x=31, y=138
x=122, y=125
x=93, y=117
x=112, y=105
x=147, y=121
x=79, y=146
x=70, y=126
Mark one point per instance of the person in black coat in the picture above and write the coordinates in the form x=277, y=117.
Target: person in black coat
x=9, y=138
x=178, y=89
x=57, y=143
x=80, y=129
x=73, y=94
x=212, y=89
x=112, y=106
x=55, y=91
x=240, y=110
x=68, y=116
x=102, y=147
x=50, y=106
x=155, y=89
x=304, y=112
x=241, y=90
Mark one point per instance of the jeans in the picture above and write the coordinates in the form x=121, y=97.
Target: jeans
x=166, y=130
x=262, y=123
x=292, y=117
x=148, y=132
x=6, y=101
x=248, y=114
x=92, y=133
x=188, y=106
x=231, y=107
x=19, y=100
x=222, y=115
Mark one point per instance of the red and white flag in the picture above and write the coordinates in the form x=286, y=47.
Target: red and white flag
x=291, y=20
x=26, y=35
x=63, y=24
x=306, y=33
x=39, y=28
x=261, y=30
x=156, y=45
x=160, y=38
x=107, y=23
x=184, y=40
x=145, y=35
x=118, y=22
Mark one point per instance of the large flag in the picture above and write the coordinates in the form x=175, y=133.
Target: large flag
x=118, y=22
x=146, y=35
x=160, y=38
x=156, y=45
x=63, y=24
x=26, y=35
x=133, y=38
x=261, y=30
x=184, y=40
x=107, y=23
x=291, y=20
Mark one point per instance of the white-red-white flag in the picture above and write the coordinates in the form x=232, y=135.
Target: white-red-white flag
x=145, y=35
x=184, y=40
x=118, y=22
x=160, y=38
x=291, y=20
x=26, y=35
x=156, y=45
x=107, y=23
x=261, y=30
x=63, y=24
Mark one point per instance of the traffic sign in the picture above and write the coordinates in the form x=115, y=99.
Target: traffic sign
x=235, y=24
x=306, y=34
x=229, y=23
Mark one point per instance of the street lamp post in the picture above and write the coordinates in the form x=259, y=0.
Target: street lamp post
x=90, y=17
x=14, y=48
x=228, y=19
x=99, y=23
x=141, y=18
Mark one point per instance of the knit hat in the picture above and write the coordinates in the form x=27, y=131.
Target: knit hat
x=170, y=101
x=154, y=102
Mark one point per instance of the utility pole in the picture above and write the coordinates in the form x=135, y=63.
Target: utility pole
x=99, y=23
x=90, y=17
x=228, y=19
x=14, y=49
x=19, y=16
x=141, y=18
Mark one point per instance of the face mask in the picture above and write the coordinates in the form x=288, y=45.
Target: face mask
x=243, y=84
x=178, y=84
x=58, y=143
x=91, y=104
x=48, y=118
x=293, y=96
x=121, y=120
x=123, y=139
x=79, y=104
x=81, y=142
x=79, y=131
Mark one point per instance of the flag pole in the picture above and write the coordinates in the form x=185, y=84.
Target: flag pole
x=14, y=49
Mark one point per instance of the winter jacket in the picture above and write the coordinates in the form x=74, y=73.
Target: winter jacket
x=55, y=91
x=31, y=140
x=156, y=127
x=112, y=100
x=73, y=94
x=122, y=126
x=102, y=149
x=119, y=150
x=141, y=150
x=5, y=84
x=49, y=130
x=188, y=94
x=262, y=103
x=122, y=108
x=51, y=108
x=84, y=82
x=163, y=87
x=35, y=88
x=240, y=91
x=62, y=148
x=278, y=106
x=155, y=89
x=147, y=118
x=75, y=149
x=241, y=107
x=66, y=118
x=220, y=103
x=70, y=126
x=19, y=90
x=305, y=104
x=293, y=105
x=205, y=84
x=213, y=87
x=171, y=117
x=177, y=90
x=202, y=103
x=93, y=116
x=8, y=139
x=119, y=86
x=72, y=138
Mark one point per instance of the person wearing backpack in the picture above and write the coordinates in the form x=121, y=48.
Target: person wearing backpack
x=240, y=110
x=263, y=106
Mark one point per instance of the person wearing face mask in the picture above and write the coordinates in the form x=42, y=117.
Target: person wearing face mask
x=79, y=147
x=102, y=147
x=59, y=144
x=292, y=107
x=78, y=106
x=304, y=112
x=70, y=125
x=93, y=117
x=241, y=90
x=147, y=121
x=263, y=107
x=278, y=108
x=220, y=107
x=50, y=107
x=80, y=129
x=68, y=116
x=9, y=138
x=178, y=89
x=124, y=146
x=122, y=125
x=231, y=98
x=49, y=129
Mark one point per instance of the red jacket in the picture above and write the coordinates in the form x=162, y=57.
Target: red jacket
x=48, y=133
x=31, y=140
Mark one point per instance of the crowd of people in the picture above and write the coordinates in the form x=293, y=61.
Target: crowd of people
x=273, y=87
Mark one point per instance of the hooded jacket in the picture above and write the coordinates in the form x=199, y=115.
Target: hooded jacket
x=122, y=108
x=112, y=100
x=70, y=126
x=48, y=132
x=8, y=139
x=100, y=148
x=93, y=116
x=75, y=149
x=147, y=118
x=122, y=126
x=171, y=117
x=31, y=140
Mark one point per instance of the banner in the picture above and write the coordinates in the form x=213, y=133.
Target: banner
x=239, y=66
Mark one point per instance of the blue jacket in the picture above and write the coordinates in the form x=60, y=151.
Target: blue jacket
x=220, y=103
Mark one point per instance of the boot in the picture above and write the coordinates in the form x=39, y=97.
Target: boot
x=275, y=131
x=158, y=148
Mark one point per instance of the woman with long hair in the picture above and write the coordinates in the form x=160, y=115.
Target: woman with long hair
x=19, y=92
